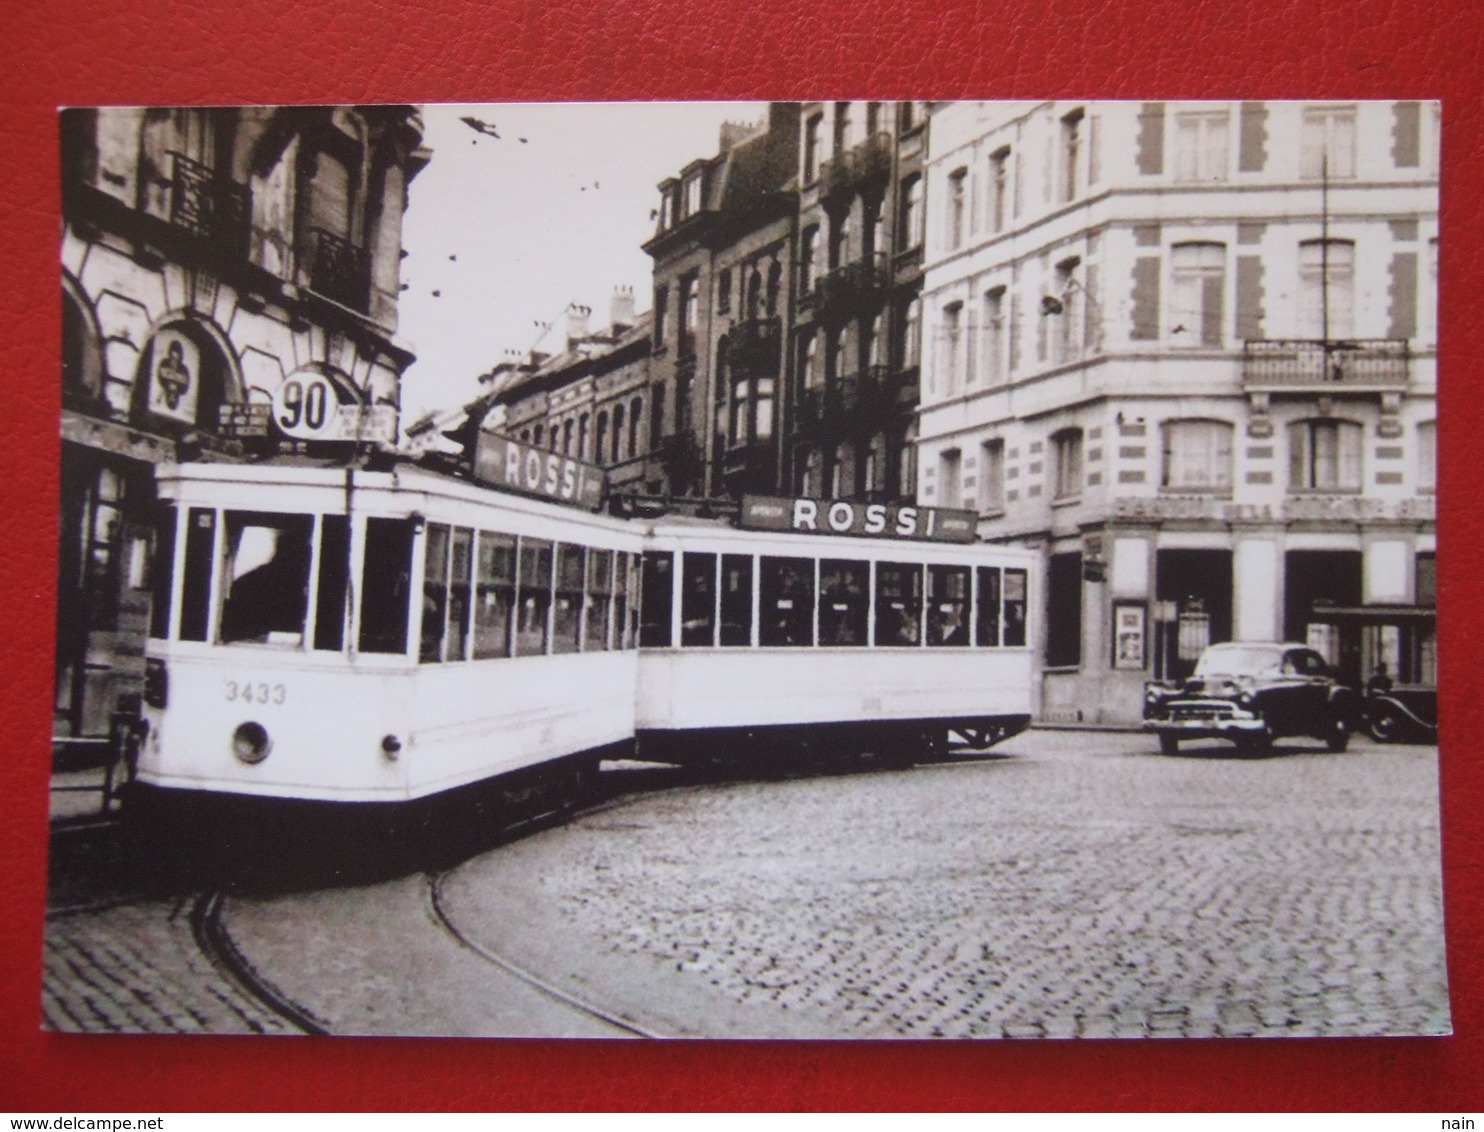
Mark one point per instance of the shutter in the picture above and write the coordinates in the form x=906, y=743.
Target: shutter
x=1014, y=331
x=1094, y=156
x=1093, y=331
x=1146, y=298
x=1406, y=141
x=1350, y=454
x=1212, y=297
x=1249, y=297
x=1152, y=138
x=1253, y=152
x=1404, y=295
x=1298, y=452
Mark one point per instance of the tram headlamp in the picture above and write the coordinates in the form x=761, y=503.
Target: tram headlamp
x=156, y=683
x=250, y=743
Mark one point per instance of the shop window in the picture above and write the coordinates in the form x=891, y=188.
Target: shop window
x=698, y=600
x=494, y=595
x=898, y=600
x=1325, y=455
x=658, y=588
x=1197, y=455
x=736, y=600
x=948, y=606
x=786, y=598
x=1064, y=610
x=844, y=597
x=265, y=578
x=533, y=611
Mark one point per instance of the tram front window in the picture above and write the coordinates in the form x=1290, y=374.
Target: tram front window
x=267, y=578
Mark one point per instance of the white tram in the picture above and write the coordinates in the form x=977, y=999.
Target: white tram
x=335, y=636
x=828, y=646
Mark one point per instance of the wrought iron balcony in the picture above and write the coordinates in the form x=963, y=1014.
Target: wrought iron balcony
x=339, y=270
x=850, y=283
x=207, y=206
x=754, y=348
x=1358, y=365
x=868, y=161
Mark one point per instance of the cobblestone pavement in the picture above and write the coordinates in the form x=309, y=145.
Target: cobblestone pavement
x=1078, y=885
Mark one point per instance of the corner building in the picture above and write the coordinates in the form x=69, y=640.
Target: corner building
x=208, y=257
x=1188, y=350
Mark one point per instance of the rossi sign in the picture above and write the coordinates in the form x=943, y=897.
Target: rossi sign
x=506, y=463
x=842, y=517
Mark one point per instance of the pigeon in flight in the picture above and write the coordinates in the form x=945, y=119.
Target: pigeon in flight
x=480, y=126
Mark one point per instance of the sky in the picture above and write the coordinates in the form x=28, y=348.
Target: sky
x=503, y=232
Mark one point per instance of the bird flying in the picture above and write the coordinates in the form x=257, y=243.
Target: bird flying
x=480, y=126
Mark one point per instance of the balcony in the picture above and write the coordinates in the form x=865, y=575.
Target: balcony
x=208, y=207
x=1363, y=365
x=859, y=165
x=848, y=284
x=339, y=270
x=754, y=348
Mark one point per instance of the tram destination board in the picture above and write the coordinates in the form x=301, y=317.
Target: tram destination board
x=844, y=517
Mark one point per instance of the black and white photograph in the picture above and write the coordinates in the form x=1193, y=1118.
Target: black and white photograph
x=780, y=570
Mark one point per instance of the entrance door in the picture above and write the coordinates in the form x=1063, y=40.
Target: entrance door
x=1196, y=586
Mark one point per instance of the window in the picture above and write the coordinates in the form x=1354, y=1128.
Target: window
x=534, y=608
x=948, y=606
x=950, y=363
x=661, y=303
x=600, y=439
x=1063, y=610
x=1197, y=293
x=265, y=578
x=1327, y=288
x=957, y=205
x=1427, y=456
x=808, y=259
x=697, y=600
x=844, y=131
x=435, y=593
x=567, y=437
x=898, y=604
x=786, y=593
x=840, y=240
x=386, y=574
x=595, y=633
x=874, y=229
x=813, y=128
x=1065, y=313
x=1324, y=456
x=566, y=618
x=494, y=595
x=657, y=590
x=844, y=602
x=992, y=475
x=1201, y=145
x=689, y=314
x=1327, y=147
x=724, y=291
x=813, y=370
x=636, y=410
x=1066, y=451
x=1197, y=455
x=873, y=118
x=762, y=401
x=736, y=600
x=876, y=340
x=994, y=336
x=842, y=471
x=460, y=564
x=334, y=572
x=950, y=473
x=616, y=452
x=667, y=208
x=910, y=346
x=690, y=195
x=999, y=188
x=1071, y=154
x=910, y=219
x=582, y=425
x=987, y=622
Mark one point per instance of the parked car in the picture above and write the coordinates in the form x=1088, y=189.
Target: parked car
x=1397, y=713
x=1253, y=693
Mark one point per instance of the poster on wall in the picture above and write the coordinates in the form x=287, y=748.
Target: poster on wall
x=174, y=376
x=1128, y=635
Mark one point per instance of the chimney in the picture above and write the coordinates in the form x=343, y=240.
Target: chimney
x=621, y=312
x=577, y=331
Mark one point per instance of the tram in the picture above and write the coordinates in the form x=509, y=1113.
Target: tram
x=326, y=636
x=814, y=631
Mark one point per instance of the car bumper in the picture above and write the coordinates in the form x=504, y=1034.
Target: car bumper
x=1205, y=728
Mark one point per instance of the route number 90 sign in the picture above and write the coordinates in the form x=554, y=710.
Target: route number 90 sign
x=305, y=407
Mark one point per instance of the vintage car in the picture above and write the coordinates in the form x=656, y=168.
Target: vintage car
x=1401, y=713
x=1253, y=693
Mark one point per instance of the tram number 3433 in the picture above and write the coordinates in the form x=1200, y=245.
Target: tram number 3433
x=259, y=692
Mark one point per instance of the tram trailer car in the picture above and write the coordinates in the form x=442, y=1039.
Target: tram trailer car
x=771, y=647
x=328, y=643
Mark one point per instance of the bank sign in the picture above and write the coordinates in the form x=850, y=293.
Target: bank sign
x=506, y=463
x=844, y=517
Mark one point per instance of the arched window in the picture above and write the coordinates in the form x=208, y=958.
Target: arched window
x=1325, y=455
x=618, y=452
x=600, y=439
x=636, y=408
x=909, y=224
x=582, y=424
x=82, y=357
x=184, y=378
x=1197, y=455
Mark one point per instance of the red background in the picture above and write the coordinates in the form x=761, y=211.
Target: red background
x=224, y=51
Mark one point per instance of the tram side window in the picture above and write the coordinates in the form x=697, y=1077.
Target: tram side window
x=495, y=595
x=435, y=593
x=1014, y=608
x=657, y=590
x=386, y=581
x=596, y=634
x=567, y=618
x=987, y=623
x=627, y=614
x=534, y=609
x=948, y=606
x=786, y=592
x=698, y=600
x=460, y=564
x=334, y=568
x=844, y=596
x=736, y=600
x=195, y=584
x=162, y=574
x=898, y=603
x=266, y=578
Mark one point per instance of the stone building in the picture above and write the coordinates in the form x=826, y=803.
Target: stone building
x=1189, y=350
x=208, y=256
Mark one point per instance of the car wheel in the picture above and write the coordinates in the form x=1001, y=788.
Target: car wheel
x=1385, y=725
x=1169, y=744
x=1339, y=736
x=1258, y=742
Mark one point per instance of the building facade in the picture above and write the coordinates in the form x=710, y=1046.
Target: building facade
x=208, y=257
x=1189, y=350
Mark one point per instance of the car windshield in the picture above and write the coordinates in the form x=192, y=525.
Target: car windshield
x=1239, y=661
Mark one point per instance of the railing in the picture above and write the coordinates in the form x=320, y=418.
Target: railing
x=339, y=270
x=1359, y=364
x=849, y=282
x=204, y=205
x=857, y=165
x=754, y=348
